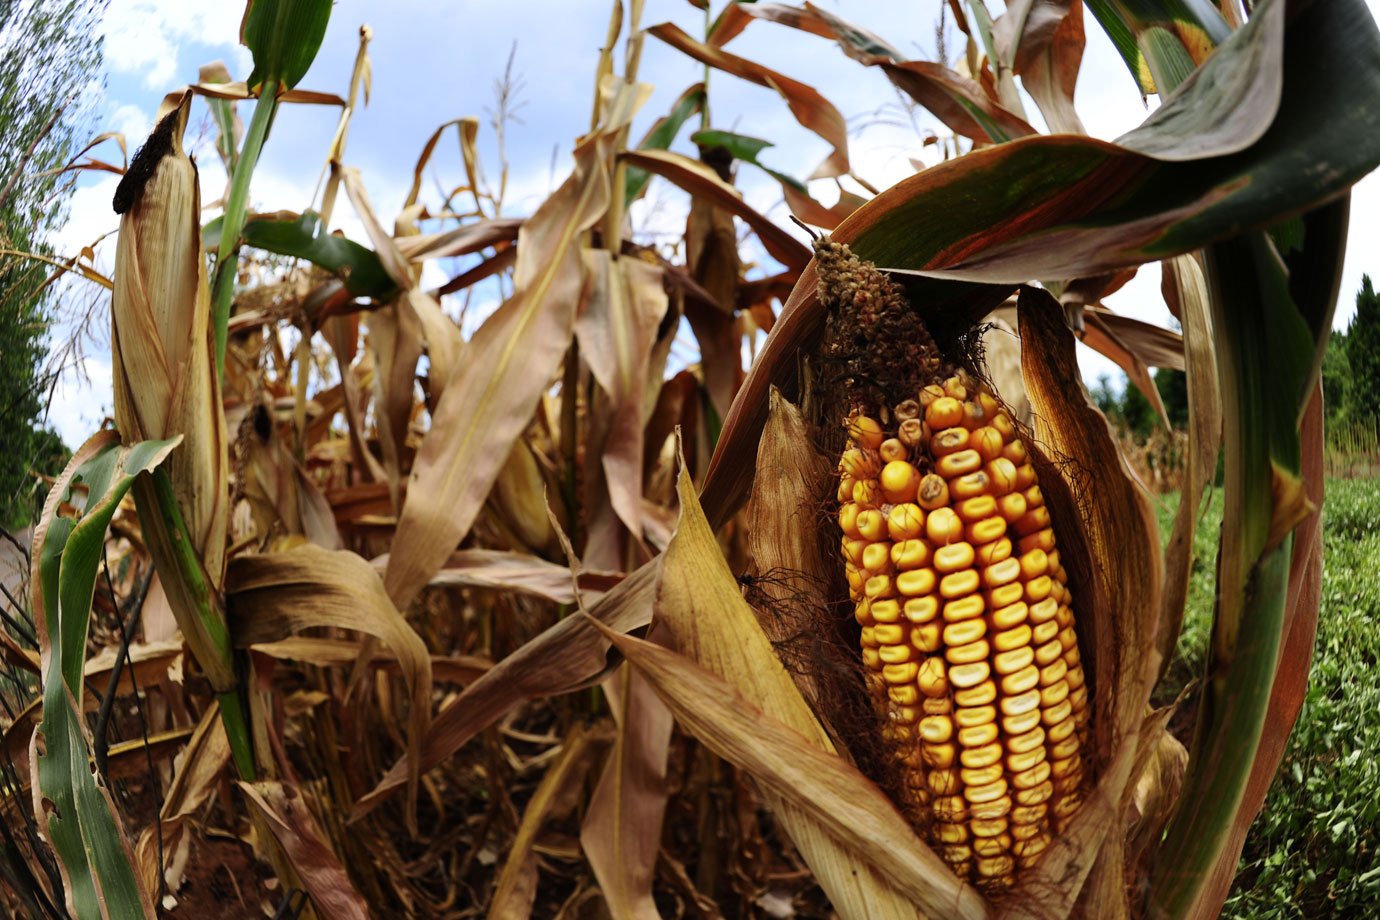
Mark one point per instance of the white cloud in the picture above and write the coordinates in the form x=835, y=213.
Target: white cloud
x=145, y=36
x=131, y=121
x=82, y=398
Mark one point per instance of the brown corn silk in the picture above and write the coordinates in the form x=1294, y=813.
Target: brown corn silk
x=967, y=625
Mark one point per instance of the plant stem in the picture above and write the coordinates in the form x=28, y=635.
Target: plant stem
x=207, y=636
x=227, y=255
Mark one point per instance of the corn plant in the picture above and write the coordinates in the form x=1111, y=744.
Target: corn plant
x=568, y=595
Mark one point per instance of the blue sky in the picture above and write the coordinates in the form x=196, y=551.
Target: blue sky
x=437, y=61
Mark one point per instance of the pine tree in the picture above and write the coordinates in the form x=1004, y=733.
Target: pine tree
x=1363, y=353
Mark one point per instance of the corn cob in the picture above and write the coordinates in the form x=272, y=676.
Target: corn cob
x=967, y=631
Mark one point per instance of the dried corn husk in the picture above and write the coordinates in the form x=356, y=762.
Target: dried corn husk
x=165, y=379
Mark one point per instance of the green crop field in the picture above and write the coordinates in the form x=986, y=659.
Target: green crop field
x=1314, y=851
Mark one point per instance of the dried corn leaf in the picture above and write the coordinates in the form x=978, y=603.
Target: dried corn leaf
x=566, y=657
x=749, y=712
x=515, y=354
x=195, y=779
x=560, y=787
x=517, y=572
x=622, y=830
x=701, y=181
x=281, y=808
x=275, y=595
x=616, y=331
x=1041, y=41
x=954, y=99
x=810, y=108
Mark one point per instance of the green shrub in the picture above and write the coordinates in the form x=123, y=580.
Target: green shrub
x=1314, y=850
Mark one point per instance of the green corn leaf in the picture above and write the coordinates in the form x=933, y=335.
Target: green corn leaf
x=82, y=824
x=662, y=135
x=284, y=36
x=358, y=265
x=1161, y=41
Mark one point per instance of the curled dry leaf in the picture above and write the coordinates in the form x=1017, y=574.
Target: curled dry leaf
x=515, y=355
x=286, y=815
x=195, y=779
x=957, y=101
x=524, y=574
x=1041, y=41
x=566, y=657
x=616, y=331
x=275, y=595
x=701, y=181
x=810, y=108
x=622, y=830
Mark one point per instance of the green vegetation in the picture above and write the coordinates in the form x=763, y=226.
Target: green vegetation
x=49, y=56
x=1314, y=851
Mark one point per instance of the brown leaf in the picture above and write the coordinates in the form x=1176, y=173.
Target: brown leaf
x=869, y=848
x=516, y=887
x=957, y=101
x=292, y=825
x=516, y=572
x=514, y=356
x=1041, y=41
x=711, y=254
x=196, y=778
x=616, y=331
x=810, y=108
x=701, y=181
x=622, y=829
x=566, y=657
x=277, y=594
x=1101, y=338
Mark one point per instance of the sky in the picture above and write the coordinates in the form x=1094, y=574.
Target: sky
x=433, y=62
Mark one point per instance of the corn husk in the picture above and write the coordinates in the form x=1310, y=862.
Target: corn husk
x=165, y=378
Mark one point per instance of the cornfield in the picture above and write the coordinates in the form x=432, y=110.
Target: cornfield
x=854, y=613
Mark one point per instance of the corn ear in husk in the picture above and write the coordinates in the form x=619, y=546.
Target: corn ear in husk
x=166, y=384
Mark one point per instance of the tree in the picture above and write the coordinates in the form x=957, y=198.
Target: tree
x=1363, y=353
x=1173, y=387
x=50, y=55
x=1336, y=380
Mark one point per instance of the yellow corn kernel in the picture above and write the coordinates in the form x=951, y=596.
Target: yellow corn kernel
x=899, y=481
x=922, y=609
x=958, y=464
x=933, y=492
x=971, y=486
x=977, y=695
x=987, y=531
x=916, y=582
x=945, y=412
x=910, y=554
x=865, y=431
x=987, y=441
